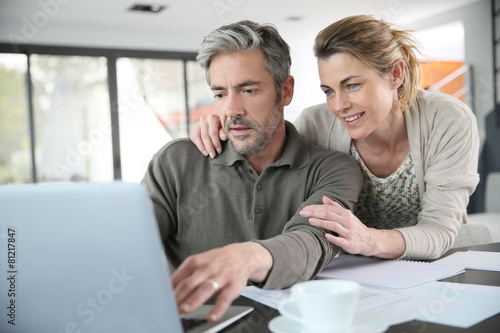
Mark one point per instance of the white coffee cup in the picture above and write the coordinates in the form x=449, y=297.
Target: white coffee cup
x=323, y=305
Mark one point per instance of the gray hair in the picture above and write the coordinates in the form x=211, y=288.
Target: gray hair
x=247, y=36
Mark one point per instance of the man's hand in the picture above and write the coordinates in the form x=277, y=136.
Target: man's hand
x=207, y=135
x=224, y=271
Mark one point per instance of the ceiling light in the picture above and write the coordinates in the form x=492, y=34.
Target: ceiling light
x=150, y=8
x=294, y=18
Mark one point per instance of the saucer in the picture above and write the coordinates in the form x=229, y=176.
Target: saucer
x=363, y=323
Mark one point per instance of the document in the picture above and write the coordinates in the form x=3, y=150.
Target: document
x=457, y=304
x=387, y=273
x=445, y=303
x=478, y=260
x=271, y=298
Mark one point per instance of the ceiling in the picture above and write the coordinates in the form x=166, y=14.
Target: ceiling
x=183, y=23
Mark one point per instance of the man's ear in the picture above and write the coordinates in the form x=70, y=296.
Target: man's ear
x=398, y=73
x=287, y=90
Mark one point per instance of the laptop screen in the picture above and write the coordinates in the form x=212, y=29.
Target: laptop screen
x=82, y=258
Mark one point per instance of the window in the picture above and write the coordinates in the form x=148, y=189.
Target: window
x=200, y=98
x=77, y=114
x=15, y=164
x=152, y=110
x=72, y=118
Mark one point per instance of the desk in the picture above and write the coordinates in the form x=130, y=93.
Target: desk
x=258, y=320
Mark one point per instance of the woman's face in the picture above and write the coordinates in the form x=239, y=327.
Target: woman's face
x=356, y=94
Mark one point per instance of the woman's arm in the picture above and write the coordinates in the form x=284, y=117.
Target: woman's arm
x=208, y=134
x=445, y=147
x=351, y=234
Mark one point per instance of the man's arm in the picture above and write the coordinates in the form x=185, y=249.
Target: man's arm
x=160, y=187
x=297, y=253
x=302, y=250
x=224, y=271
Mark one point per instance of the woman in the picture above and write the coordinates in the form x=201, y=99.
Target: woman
x=418, y=150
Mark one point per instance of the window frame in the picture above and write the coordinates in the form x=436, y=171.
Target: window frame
x=111, y=56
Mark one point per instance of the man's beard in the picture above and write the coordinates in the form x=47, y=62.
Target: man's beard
x=262, y=140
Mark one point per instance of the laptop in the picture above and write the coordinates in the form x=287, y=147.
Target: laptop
x=86, y=257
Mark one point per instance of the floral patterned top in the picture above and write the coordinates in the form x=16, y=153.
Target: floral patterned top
x=388, y=203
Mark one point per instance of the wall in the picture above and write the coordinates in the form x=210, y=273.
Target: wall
x=479, y=54
x=478, y=51
x=305, y=71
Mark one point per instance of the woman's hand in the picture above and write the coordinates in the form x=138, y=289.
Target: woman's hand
x=351, y=234
x=207, y=135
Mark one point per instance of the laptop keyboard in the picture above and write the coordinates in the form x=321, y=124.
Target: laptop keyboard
x=189, y=324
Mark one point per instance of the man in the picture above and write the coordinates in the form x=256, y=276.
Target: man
x=233, y=220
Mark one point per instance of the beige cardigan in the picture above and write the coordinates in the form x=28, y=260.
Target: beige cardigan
x=444, y=144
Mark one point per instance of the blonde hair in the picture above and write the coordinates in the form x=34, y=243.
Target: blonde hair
x=378, y=45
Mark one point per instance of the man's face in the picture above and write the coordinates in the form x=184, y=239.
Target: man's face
x=245, y=100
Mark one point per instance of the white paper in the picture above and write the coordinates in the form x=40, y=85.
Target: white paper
x=445, y=303
x=480, y=260
x=270, y=298
x=387, y=273
x=475, y=304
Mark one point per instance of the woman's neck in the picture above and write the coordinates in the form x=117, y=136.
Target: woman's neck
x=388, y=136
x=386, y=147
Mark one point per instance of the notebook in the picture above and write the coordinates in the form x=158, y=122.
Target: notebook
x=85, y=258
x=387, y=273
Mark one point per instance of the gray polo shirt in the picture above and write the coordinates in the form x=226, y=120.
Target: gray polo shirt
x=202, y=203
